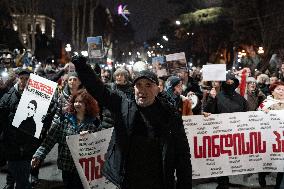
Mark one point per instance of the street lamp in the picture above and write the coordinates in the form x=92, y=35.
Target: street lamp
x=177, y=22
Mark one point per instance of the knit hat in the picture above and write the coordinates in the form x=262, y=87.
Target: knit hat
x=250, y=80
x=146, y=74
x=173, y=81
x=72, y=74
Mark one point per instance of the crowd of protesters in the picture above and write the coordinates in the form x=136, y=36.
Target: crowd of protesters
x=148, y=148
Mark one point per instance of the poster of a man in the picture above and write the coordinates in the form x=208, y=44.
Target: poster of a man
x=33, y=105
x=29, y=125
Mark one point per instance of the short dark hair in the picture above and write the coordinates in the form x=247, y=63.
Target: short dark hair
x=34, y=103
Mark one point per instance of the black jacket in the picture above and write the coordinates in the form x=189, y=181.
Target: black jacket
x=174, y=143
x=17, y=144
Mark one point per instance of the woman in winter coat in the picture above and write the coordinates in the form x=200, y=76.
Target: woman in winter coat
x=273, y=102
x=81, y=117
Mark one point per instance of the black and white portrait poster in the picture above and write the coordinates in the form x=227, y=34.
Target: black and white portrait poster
x=34, y=104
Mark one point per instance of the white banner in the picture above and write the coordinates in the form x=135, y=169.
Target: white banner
x=34, y=105
x=236, y=143
x=88, y=153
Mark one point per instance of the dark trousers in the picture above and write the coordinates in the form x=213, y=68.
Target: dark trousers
x=71, y=180
x=20, y=172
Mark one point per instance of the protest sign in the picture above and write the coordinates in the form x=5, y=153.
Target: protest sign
x=95, y=47
x=88, y=153
x=236, y=143
x=159, y=66
x=176, y=62
x=34, y=104
x=214, y=72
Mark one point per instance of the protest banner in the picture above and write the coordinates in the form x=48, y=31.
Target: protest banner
x=176, y=62
x=236, y=143
x=33, y=105
x=95, y=47
x=214, y=72
x=88, y=152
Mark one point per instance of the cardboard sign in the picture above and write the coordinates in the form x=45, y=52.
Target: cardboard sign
x=214, y=72
x=34, y=105
x=236, y=143
x=176, y=62
x=88, y=153
x=95, y=47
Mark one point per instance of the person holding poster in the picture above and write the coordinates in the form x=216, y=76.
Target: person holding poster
x=18, y=146
x=273, y=102
x=226, y=101
x=148, y=145
x=81, y=117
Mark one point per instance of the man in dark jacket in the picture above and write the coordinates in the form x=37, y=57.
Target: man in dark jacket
x=226, y=101
x=18, y=146
x=149, y=142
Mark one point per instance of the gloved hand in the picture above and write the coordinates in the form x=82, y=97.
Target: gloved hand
x=78, y=60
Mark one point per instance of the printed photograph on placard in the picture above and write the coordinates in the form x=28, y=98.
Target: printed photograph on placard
x=176, y=62
x=33, y=105
x=95, y=47
x=159, y=66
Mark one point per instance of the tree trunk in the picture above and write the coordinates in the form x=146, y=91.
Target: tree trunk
x=82, y=41
x=73, y=23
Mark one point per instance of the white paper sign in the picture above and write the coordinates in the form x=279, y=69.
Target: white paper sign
x=236, y=143
x=88, y=153
x=34, y=105
x=214, y=72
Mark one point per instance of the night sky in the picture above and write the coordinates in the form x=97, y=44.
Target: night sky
x=145, y=15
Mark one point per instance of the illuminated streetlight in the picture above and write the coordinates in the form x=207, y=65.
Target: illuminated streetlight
x=177, y=22
x=158, y=44
x=129, y=53
x=84, y=53
x=165, y=38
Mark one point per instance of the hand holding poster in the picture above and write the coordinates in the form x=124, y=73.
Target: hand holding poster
x=34, y=105
x=88, y=153
x=236, y=143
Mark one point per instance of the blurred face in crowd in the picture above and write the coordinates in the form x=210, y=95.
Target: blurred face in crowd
x=251, y=86
x=282, y=68
x=230, y=82
x=278, y=92
x=178, y=88
x=120, y=79
x=216, y=84
x=145, y=92
x=31, y=109
x=22, y=81
x=161, y=85
x=74, y=83
x=79, y=105
x=273, y=80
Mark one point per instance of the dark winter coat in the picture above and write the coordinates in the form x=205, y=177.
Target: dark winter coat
x=173, y=141
x=17, y=144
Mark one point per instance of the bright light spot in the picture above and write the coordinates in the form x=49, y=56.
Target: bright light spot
x=131, y=62
x=177, y=22
x=68, y=48
x=129, y=53
x=158, y=44
x=162, y=46
x=4, y=74
x=119, y=9
x=138, y=53
x=76, y=53
x=260, y=50
x=165, y=38
x=84, y=53
x=187, y=33
x=52, y=61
